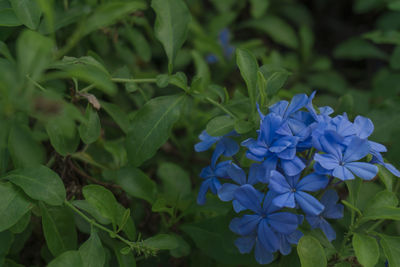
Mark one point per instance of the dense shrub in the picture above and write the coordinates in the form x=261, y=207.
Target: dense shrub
x=199, y=133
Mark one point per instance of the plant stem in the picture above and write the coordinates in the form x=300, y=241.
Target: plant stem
x=94, y=223
x=36, y=83
x=138, y=246
x=122, y=80
x=221, y=107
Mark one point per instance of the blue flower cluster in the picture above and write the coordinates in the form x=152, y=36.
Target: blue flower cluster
x=299, y=150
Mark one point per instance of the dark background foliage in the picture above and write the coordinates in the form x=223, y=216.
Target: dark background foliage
x=82, y=86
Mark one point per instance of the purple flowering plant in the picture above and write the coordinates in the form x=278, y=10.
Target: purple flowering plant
x=298, y=160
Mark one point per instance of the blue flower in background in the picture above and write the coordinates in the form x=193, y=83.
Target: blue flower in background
x=225, y=145
x=227, y=48
x=341, y=161
x=227, y=190
x=289, y=191
x=210, y=175
x=263, y=227
x=332, y=211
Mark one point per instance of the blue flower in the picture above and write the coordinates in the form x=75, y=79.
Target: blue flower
x=286, y=240
x=332, y=211
x=227, y=190
x=225, y=146
x=272, y=145
x=210, y=175
x=289, y=191
x=341, y=161
x=263, y=227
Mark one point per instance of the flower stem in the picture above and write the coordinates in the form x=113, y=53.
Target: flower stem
x=138, y=246
x=221, y=107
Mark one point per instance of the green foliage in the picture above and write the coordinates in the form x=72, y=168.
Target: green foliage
x=101, y=103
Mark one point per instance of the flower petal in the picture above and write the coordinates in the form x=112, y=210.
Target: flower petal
x=262, y=255
x=342, y=173
x=267, y=237
x=201, y=197
x=364, y=170
x=364, y=127
x=248, y=223
x=327, y=161
x=356, y=150
x=292, y=167
x=285, y=200
x=308, y=203
x=298, y=101
x=236, y=174
x=226, y=191
x=283, y=222
x=256, y=174
x=230, y=146
x=328, y=230
x=278, y=183
x=312, y=182
x=245, y=244
x=248, y=198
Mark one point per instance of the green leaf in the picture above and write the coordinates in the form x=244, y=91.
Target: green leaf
x=175, y=182
x=248, y=67
x=160, y=205
x=13, y=205
x=215, y=240
x=90, y=129
x=242, y=126
x=395, y=58
x=358, y=49
x=139, y=42
x=391, y=248
x=34, y=53
x=28, y=12
x=92, y=252
x=366, y=249
x=259, y=7
x=103, y=200
x=88, y=70
x=276, y=81
x=8, y=18
x=63, y=135
x=117, y=114
x=24, y=150
x=39, y=183
x=162, y=80
x=58, y=229
x=382, y=199
x=68, y=258
x=136, y=183
x=151, y=127
x=108, y=13
x=179, y=79
x=386, y=177
x=22, y=223
x=93, y=211
x=182, y=250
x=310, y=252
x=220, y=125
x=171, y=26
x=389, y=213
x=6, y=240
x=277, y=29
x=161, y=241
